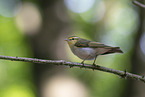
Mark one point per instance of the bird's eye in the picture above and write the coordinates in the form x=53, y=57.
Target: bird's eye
x=72, y=39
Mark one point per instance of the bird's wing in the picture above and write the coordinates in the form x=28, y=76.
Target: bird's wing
x=98, y=45
x=82, y=43
x=87, y=43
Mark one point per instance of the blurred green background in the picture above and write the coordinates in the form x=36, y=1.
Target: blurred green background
x=37, y=28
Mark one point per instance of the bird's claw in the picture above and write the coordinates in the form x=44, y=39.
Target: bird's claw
x=82, y=64
x=125, y=74
x=94, y=64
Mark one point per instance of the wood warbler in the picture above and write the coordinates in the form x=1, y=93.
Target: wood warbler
x=89, y=50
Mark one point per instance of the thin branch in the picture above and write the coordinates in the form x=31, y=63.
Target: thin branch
x=138, y=4
x=123, y=74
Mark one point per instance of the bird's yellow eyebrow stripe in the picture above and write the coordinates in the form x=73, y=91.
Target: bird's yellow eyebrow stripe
x=72, y=37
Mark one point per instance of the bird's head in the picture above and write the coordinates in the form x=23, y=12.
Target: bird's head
x=72, y=40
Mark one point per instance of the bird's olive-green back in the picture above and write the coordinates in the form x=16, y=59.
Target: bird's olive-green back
x=87, y=43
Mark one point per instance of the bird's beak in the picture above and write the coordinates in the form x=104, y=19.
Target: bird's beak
x=66, y=40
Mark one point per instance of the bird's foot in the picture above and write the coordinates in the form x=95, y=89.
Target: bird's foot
x=94, y=64
x=125, y=74
x=82, y=64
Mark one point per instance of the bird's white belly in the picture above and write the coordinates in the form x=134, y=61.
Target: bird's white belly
x=84, y=53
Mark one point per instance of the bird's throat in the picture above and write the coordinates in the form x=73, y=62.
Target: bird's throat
x=71, y=44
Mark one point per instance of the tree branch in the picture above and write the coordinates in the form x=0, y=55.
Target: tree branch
x=123, y=74
x=138, y=3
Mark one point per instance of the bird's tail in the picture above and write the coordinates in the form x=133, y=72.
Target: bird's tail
x=113, y=50
x=116, y=50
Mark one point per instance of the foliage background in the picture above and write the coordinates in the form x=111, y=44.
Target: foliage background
x=37, y=28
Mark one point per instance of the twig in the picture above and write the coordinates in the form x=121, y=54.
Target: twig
x=138, y=4
x=123, y=74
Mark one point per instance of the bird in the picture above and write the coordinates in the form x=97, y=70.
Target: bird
x=89, y=50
